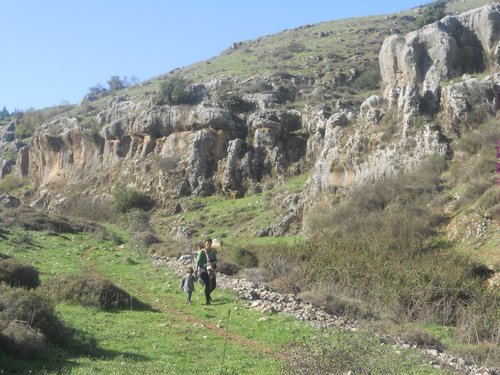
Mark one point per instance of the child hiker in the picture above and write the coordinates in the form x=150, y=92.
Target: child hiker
x=187, y=283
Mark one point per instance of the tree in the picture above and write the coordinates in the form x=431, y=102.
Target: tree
x=4, y=113
x=431, y=13
x=116, y=83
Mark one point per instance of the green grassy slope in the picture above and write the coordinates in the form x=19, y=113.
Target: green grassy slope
x=165, y=337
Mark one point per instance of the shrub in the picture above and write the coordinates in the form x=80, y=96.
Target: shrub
x=234, y=102
x=139, y=220
x=337, y=303
x=10, y=183
x=176, y=90
x=32, y=220
x=368, y=80
x=92, y=291
x=421, y=338
x=227, y=267
x=16, y=274
x=143, y=240
x=431, y=13
x=21, y=340
x=336, y=352
x=245, y=258
x=35, y=308
x=126, y=199
x=89, y=208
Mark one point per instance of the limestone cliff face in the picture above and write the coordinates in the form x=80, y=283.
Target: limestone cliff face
x=168, y=151
x=413, y=66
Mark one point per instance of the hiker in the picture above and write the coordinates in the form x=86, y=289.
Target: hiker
x=187, y=283
x=206, y=263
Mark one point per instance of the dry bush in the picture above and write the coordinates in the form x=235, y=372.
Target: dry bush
x=254, y=274
x=480, y=321
x=227, y=267
x=89, y=208
x=19, y=339
x=422, y=339
x=93, y=291
x=245, y=258
x=139, y=220
x=16, y=274
x=143, y=240
x=170, y=249
x=36, y=309
x=342, y=353
x=337, y=302
x=31, y=219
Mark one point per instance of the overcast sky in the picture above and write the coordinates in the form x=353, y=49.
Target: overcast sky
x=54, y=50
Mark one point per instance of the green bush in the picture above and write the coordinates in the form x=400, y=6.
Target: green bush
x=175, y=90
x=11, y=183
x=126, y=199
x=16, y=274
x=431, y=13
x=368, y=80
x=234, y=102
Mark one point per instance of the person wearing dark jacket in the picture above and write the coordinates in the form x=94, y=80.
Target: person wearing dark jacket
x=206, y=263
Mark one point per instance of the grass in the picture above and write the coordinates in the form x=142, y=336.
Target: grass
x=461, y=6
x=167, y=336
x=235, y=221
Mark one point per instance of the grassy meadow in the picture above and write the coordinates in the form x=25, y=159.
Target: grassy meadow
x=161, y=334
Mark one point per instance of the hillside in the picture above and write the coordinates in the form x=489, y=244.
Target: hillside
x=352, y=163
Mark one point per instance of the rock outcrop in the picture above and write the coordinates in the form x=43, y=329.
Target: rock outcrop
x=166, y=150
x=414, y=66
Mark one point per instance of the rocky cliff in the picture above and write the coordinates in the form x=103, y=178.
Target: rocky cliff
x=414, y=66
x=203, y=149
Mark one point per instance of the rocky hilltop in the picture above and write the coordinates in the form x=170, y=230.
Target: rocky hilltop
x=171, y=151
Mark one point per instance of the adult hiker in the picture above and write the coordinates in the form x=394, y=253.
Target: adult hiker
x=206, y=263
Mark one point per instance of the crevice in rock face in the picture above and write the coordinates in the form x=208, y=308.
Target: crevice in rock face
x=54, y=142
x=123, y=146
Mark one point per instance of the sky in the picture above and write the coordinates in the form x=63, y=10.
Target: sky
x=55, y=50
